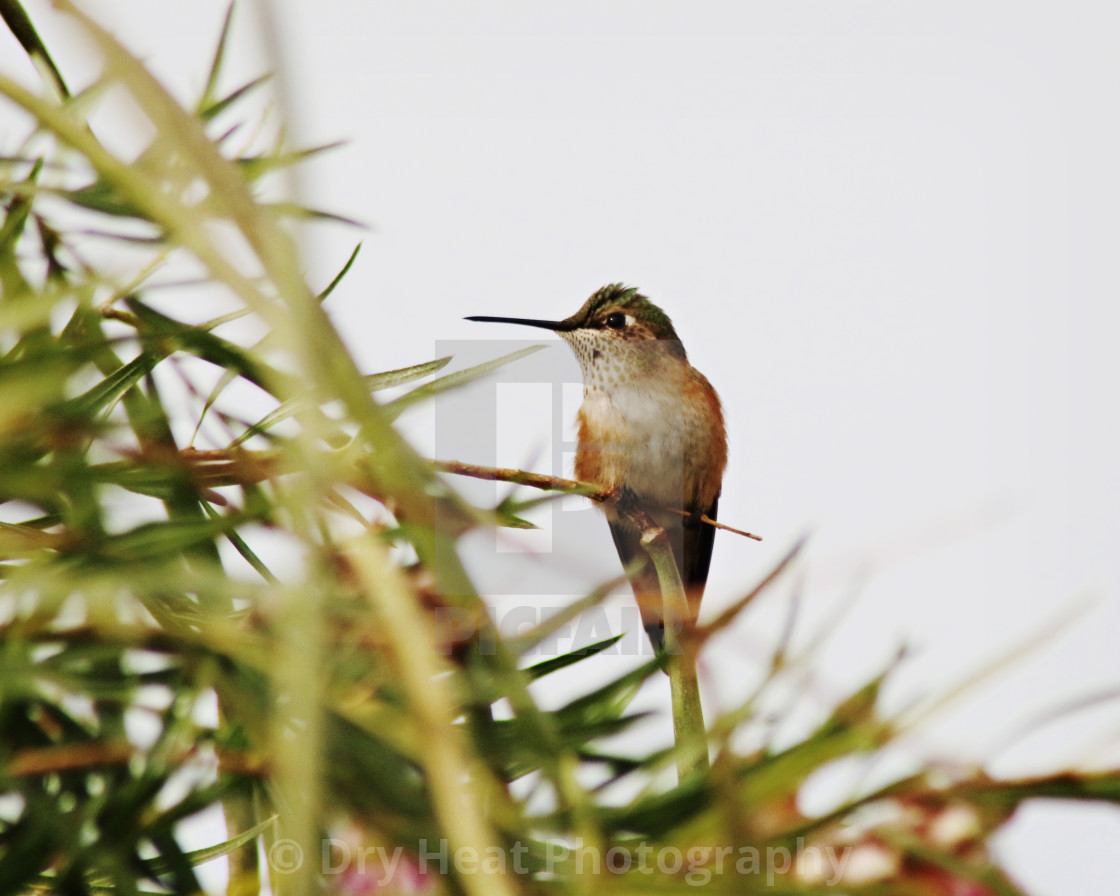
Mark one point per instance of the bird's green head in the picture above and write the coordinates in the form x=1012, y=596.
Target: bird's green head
x=617, y=335
x=624, y=313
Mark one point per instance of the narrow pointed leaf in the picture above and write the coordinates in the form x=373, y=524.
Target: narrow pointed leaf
x=455, y=380
x=376, y=382
x=322, y=297
x=546, y=667
x=256, y=166
x=211, y=88
x=20, y=25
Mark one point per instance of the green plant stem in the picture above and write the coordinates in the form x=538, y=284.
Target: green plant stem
x=688, y=714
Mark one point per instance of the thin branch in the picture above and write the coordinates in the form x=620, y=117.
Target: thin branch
x=226, y=467
x=557, y=484
x=521, y=477
x=704, y=518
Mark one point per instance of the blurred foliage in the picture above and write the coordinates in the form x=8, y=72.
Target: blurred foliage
x=174, y=407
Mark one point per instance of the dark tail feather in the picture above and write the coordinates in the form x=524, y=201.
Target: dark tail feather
x=692, y=547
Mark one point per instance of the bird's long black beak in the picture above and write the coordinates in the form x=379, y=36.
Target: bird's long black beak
x=560, y=326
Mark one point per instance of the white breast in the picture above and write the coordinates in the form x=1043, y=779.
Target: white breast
x=662, y=443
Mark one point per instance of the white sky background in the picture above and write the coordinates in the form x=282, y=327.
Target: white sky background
x=887, y=234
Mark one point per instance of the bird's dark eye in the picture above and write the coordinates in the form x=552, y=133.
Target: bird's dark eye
x=616, y=320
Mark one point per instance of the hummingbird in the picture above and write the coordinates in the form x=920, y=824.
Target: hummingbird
x=651, y=430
